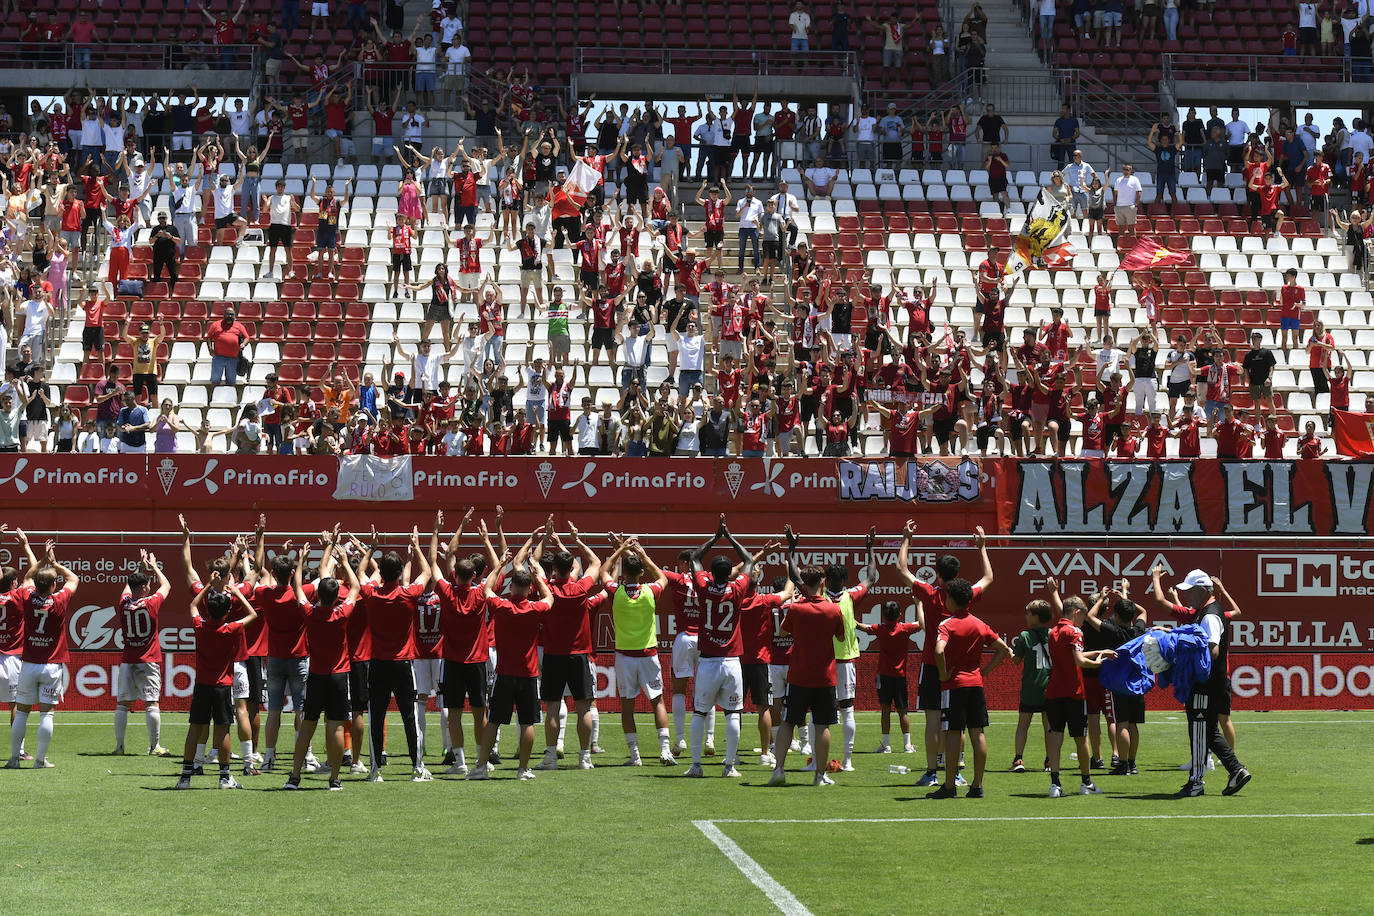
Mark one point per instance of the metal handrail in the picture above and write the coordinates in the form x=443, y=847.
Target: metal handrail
x=128, y=56
x=718, y=61
x=1305, y=69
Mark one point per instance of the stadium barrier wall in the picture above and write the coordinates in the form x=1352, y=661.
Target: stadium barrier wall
x=1283, y=535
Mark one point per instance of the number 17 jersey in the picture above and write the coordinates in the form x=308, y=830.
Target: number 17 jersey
x=719, y=608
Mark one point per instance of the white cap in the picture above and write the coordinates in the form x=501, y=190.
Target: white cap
x=1194, y=579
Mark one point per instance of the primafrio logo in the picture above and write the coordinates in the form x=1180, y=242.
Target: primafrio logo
x=93, y=628
x=545, y=475
x=204, y=478
x=19, y=483
x=770, y=485
x=584, y=481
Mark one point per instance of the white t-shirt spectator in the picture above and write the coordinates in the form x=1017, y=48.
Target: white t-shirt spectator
x=864, y=129
x=1180, y=372
x=1236, y=132
x=750, y=210
x=588, y=429
x=113, y=136
x=786, y=204
x=414, y=125
x=1127, y=190
x=800, y=21
x=424, y=58
x=426, y=371
x=1309, y=134
x=224, y=200
x=820, y=177
x=689, y=352
x=36, y=315
x=240, y=122
x=457, y=57
x=91, y=134
x=449, y=26
x=1307, y=15
x=1361, y=142
x=1109, y=358
x=454, y=442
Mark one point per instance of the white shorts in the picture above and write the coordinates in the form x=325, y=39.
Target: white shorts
x=240, y=681
x=670, y=344
x=719, y=682
x=469, y=281
x=843, y=341
x=844, y=681
x=635, y=674
x=181, y=140
x=777, y=682
x=685, y=655
x=41, y=684
x=429, y=674
x=9, y=678
x=1144, y=390
x=142, y=681
x=319, y=9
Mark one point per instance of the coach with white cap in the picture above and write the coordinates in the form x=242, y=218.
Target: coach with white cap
x=1212, y=697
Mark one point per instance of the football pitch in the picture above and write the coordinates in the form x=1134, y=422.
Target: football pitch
x=108, y=834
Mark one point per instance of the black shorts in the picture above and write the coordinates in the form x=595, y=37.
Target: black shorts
x=818, y=701
x=438, y=310
x=1065, y=429
x=1222, y=702
x=1319, y=203
x=928, y=689
x=963, y=708
x=1269, y=220
x=1068, y=713
x=224, y=222
x=280, y=234
x=892, y=689
x=400, y=260
x=257, y=679
x=517, y=694
x=1128, y=707
x=714, y=238
x=943, y=429
x=603, y=339
x=757, y=685
x=357, y=686
x=560, y=431
x=464, y=681
x=984, y=435
x=772, y=251
x=328, y=694
x=211, y=704
x=326, y=238
x=636, y=193
x=571, y=671
x=1216, y=176
x=590, y=279
x=1177, y=389
x=997, y=185
x=1031, y=708
x=92, y=338
x=994, y=340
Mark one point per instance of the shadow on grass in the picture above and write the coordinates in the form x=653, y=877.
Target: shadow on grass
x=1365, y=841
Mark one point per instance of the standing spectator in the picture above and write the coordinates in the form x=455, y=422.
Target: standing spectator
x=1214, y=159
x=764, y=146
x=1064, y=137
x=1046, y=20
x=750, y=212
x=1256, y=367
x=892, y=126
x=1171, y=20
x=1237, y=135
x=1319, y=184
x=938, y=49
x=839, y=28
x=108, y=398
x=800, y=23
x=225, y=26
x=1126, y=197
x=226, y=338
x=1194, y=137
x=992, y=130
x=35, y=313
x=894, y=42
x=165, y=242
x=145, y=359
x=997, y=165
x=1165, y=141
x=863, y=126
x=133, y=426
x=956, y=124
x=1079, y=175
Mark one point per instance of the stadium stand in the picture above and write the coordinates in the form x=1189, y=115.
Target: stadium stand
x=918, y=224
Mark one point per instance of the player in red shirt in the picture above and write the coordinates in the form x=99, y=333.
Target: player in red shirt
x=721, y=594
x=930, y=596
x=959, y=647
x=893, y=637
x=567, y=641
x=43, y=661
x=219, y=641
x=757, y=619
x=687, y=626
x=326, y=615
x=140, y=668
x=1066, y=704
x=815, y=623
x=287, y=649
x=516, y=622
x=389, y=609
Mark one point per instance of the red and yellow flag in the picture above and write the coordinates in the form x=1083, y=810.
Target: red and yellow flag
x=1149, y=254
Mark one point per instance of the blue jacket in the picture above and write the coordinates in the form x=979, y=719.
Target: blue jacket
x=1184, y=648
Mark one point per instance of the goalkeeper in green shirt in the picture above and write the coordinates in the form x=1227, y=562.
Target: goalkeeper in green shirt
x=1032, y=649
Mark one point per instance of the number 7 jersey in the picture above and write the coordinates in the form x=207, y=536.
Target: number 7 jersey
x=719, y=607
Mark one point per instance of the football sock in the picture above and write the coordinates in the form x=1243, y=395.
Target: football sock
x=732, y=725
x=121, y=724
x=847, y=720
x=632, y=742
x=711, y=727
x=421, y=708
x=152, y=715
x=664, y=742
x=774, y=742
x=885, y=742
x=460, y=756
x=698, y=737
x=906, y=739
x=443, y=727
x=596, y=727
x=200, y=754
x=246, y=752
x=1054, y=777
x=44, y=735
x=17, y=729
x=562, y=720
x=680, y=715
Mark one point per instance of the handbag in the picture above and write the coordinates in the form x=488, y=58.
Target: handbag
x=129, y=287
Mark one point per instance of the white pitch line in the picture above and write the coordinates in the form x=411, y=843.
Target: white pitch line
x=781, y=897
x=1066, y=817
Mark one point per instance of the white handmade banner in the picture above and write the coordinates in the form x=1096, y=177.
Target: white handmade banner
x=368, y=477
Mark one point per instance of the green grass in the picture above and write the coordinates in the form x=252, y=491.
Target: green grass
x=106, y=834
